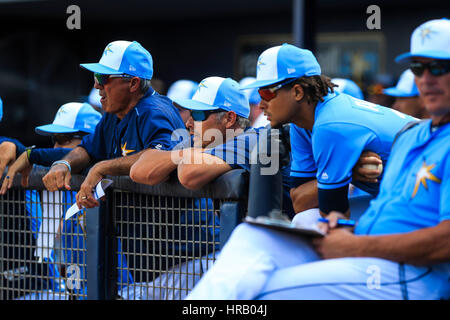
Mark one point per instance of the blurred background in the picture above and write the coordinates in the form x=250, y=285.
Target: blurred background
x=40, y=56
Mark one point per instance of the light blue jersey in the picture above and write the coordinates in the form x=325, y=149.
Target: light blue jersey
x=415, y=192
x=344, y=127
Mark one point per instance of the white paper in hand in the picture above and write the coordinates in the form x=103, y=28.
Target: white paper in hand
x=99, y=192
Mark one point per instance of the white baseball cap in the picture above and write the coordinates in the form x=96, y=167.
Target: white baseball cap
x=218, y=93
x=252, y=94
x=283, y=62
x=349, y=87
x=94, y=98
x=72, y=117
x=430, y=40
x=182, y=89
x=406, y=87
x=124, y=57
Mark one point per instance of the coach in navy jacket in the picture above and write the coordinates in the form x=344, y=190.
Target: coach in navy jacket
x=136, y=118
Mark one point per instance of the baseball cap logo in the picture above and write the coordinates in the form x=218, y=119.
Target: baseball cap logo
x=202, y=85
x=425, y=33
x=290, y=70
x=260, y=63
x=108, y=49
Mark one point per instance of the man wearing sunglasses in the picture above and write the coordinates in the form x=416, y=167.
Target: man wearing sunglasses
x=399, y=248
x=136, y=118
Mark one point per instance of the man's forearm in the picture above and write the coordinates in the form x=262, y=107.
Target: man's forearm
x=155, y=166
x=118, y=166
x=78, y=159
x=422, y=247
x=305, y=196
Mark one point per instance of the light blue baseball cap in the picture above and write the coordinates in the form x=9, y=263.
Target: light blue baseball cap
x=182, y=89
x=94, y=98
x=72, y=117
x=349, y=87
x=1, y=109
x=218, y=93
x=284, y=62
x=252, y=94
x=406, y=87
x=430, y=40
x=121, y=57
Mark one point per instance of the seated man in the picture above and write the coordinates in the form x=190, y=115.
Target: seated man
x=136, y=118
x=399, y=249
x=329, y=130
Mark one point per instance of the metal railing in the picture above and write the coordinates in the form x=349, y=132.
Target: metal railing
x=143, y=242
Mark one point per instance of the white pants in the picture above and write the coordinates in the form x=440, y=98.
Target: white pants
x=258, y=263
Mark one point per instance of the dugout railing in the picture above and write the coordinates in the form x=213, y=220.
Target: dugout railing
x=143, y=242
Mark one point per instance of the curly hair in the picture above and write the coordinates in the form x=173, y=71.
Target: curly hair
x=315, y=87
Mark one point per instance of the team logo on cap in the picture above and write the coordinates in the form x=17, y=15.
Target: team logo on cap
x=108, y=49
x=61, y=111
x=425, y=33
x=422, y=176
x=260, y=63
x=202, y=85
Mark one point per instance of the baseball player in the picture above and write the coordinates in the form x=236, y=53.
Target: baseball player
x=398, y=250
x=406, y=95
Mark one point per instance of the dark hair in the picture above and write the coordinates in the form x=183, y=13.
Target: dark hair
x=315, y=87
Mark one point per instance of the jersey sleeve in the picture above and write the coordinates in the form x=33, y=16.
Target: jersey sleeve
x=336, y=148
x=236, y=152
x=444, y=213
x=94, y=143
x=45, y=157
x=303, y=164
x=158, y=130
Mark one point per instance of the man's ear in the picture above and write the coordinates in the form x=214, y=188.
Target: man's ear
x=230, y=119
x=298, y=92
x=135, y=83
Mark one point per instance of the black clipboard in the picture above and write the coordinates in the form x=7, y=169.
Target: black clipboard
x=284, y=225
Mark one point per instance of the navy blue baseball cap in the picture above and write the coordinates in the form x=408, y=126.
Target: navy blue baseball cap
x=124, y=57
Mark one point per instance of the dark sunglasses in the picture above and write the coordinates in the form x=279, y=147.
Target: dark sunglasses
x=63, y=139
x=202, y=115
x=436, y=68
x=268, y=94
x=102, y=79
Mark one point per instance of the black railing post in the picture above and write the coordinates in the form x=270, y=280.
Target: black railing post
x=101, y=261
x=231, y=214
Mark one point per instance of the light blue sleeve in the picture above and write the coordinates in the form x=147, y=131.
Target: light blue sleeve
x=444, y=212
x=303, y=164
x=336, y=148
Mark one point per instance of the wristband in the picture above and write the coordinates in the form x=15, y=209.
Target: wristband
x=62, y=162
x=28, y=151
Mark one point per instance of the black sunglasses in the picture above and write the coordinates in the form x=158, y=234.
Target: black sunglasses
x=63, y=139
x=202, y=115
x=436, y=68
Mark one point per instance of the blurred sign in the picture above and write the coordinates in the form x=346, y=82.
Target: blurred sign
x=355, y=55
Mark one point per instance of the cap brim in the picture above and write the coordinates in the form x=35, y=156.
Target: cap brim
x=406, y=57
x=260, y=84
x=50, y=129
x=194, y=105
x=99, y=68
x=394, y=92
